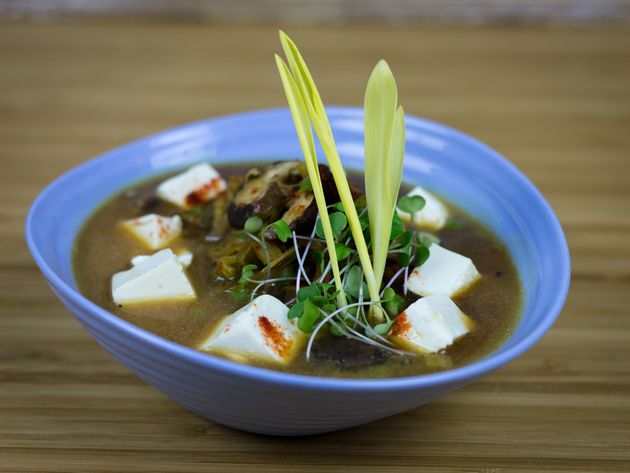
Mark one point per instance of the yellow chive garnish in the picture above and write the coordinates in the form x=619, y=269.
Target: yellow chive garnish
x=384, y=150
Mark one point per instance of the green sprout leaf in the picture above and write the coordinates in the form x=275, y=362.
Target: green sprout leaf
x=310, y=314
x=404, y=258
x=338, y=222
x=325, y=288
x=393, y=302
x=319, y=228
x=296, y=310
x=246, y=272
x=422, y=255
x=282, y=230
x=319, y=301
x=253, y=224
x=328, y=308
x=308, y=292
x=405, y=239
x=342, y=251
x=383, y=328
x=398, y=227
x=411, y=204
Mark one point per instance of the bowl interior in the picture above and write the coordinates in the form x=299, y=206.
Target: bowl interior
x=466, y=172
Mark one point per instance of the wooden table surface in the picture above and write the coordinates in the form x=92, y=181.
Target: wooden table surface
x=556, y=101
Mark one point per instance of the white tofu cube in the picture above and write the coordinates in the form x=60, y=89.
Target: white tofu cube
x=430, y=324
x=183, y=256
x=260, y=331
x=155, y=231
x=198, y=184
x=160, y=277
x=444, y=272
x=433, y=215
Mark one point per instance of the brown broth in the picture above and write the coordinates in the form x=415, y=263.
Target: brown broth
x=102, y=249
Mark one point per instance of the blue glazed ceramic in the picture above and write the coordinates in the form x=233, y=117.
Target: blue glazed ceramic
x=468, y=173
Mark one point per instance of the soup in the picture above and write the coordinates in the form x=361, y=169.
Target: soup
x=290, y=266
x=105, y=246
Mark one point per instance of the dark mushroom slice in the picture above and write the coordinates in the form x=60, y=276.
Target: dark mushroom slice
x=300, y=216
x=328, y=185
x=348, y=354
x=267, y=203
x=302, y=208
x=264, y=194
x=302, y=213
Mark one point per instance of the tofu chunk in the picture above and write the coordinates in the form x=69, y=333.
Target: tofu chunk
x=444, y=272
x=160, y=277
x=155, y=231
x=430, y=324
x=260, y=331
x=183, y=256
x=197, y=185
x=433, y=215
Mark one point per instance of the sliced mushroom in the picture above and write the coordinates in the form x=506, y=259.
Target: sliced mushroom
x=274, y=191
x=348, y=354
x=328, y=185
x=301, y=214
x=210, y=218
x=302, y=211
x=265, y=193
x=266, y=203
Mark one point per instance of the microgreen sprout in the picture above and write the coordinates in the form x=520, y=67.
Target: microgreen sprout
x=263, y=246
x=253, y=224
x=247, y=272
x=422, y=254
x=411, y=204
x=282, y=230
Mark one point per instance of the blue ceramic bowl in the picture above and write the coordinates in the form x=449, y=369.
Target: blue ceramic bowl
x=468, y=173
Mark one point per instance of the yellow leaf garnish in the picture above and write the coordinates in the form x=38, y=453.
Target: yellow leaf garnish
x=384, y=147
x=384, y=153
x=305, y=135
x=319, y=119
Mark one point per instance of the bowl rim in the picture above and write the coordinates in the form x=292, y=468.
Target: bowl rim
x=458, y=375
